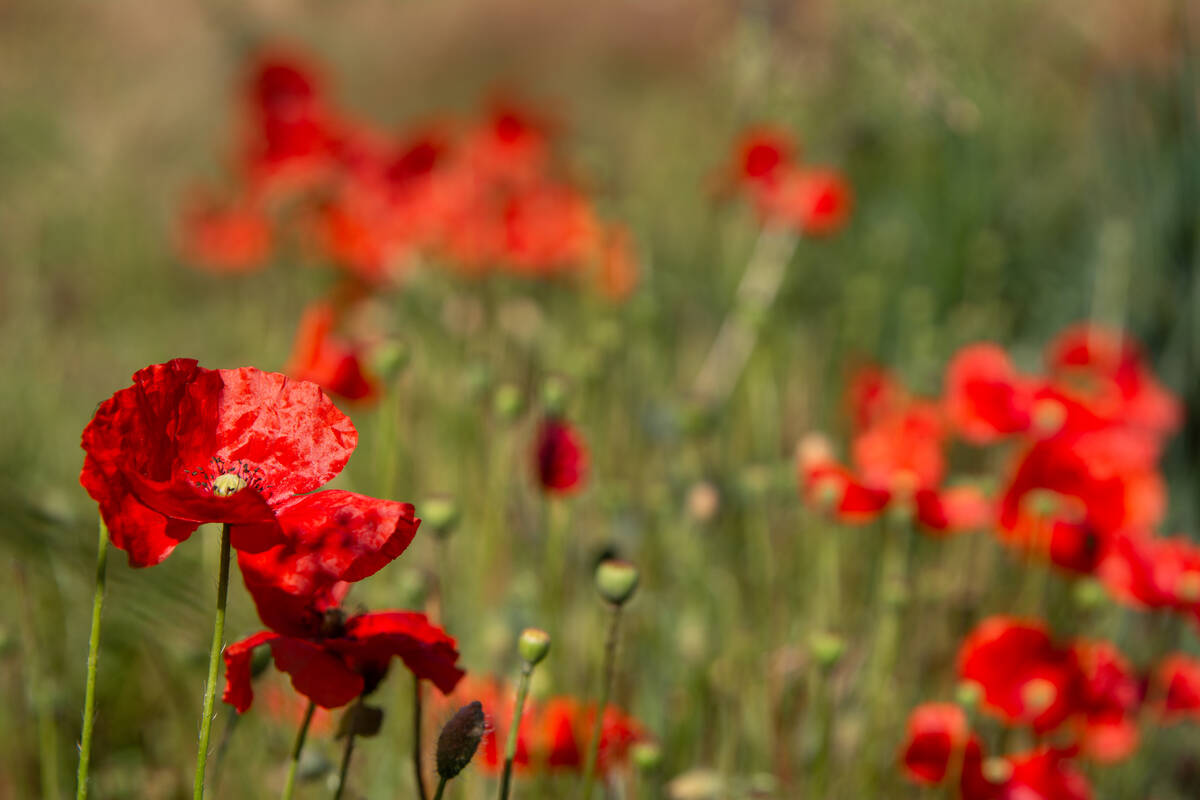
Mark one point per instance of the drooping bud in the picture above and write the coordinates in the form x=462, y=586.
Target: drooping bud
x=360, y=720
x=260, y=659
x=533, y=645
x=441, y=513
x=616, y=580
x=459, y=739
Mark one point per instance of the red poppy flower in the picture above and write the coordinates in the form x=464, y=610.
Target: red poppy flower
x=762, y=155
x=937, y=737
x=186, y=445
x=331, y=363
x=985, y=397
x=873, y=394
x=1042, y=774
x=1177, y=686
x=831, y=486
x=560, y=457
x=1102, y=379
x=1025, y=677
x=901, y=452
x=814, y=202
x=333, y=538
x=288, y=129
x=229, y=238
x=347, y=658
x=1108, y=704
x=554, y=732
x=1154, y=572
x=548, y=228
x=953, y=510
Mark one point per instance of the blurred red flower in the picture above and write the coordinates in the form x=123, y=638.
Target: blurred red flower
x=938, y=743
x=985, y=397
x=1177, y=687
x=341, y=659
x=231, y=238
x=1025, y=677
x=762, y=155
x=554, y=732
x=814, y=202
x=1154, y=572
x=560, y=457
x=1109, y=702
x=186, y=445
x=1042, y=774
x=328, y=361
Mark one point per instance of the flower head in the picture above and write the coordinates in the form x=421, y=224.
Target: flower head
x=186, y=445
x=560, y=457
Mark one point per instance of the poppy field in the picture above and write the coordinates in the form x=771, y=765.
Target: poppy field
x=665, y=399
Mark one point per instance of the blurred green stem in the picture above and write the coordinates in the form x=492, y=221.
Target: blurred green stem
x=290, y=787
x=739, y=332
x=510, y=747
x=36, y=677
x=610, y=663
x=420, y=775
x=554, y=569
x=89, y=697
x=441, y=788
x=214, y=659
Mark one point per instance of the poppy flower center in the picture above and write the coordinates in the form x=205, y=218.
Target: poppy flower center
x=229, y=483
x=1038, y=695
x=997, y=771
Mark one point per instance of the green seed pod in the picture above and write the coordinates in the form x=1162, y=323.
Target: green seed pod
x=459, y=739
x=533, y=645
x=616, y=580
x=826, y=648
x=507, y=401
x=646, y=756
x=554, y=396
x=441, y=513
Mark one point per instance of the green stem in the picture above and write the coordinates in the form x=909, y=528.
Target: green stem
x=345, y=769
x=610, y=663
x=421, y=793
x=301, y=735
x=441, y=788
x=89, y=697
x=514, y=727
x=214, y=659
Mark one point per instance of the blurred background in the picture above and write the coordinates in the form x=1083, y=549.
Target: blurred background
x=1016, y=167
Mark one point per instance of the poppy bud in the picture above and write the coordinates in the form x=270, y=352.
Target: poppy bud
x=507, y=401
x=389, y=359
x=459, y=739
x=360, y=720
x=646, y=756
x=441, y=513
x=968, y=694
x=616, y=580
x=554, y=396
x=1089, y=593
x=259, y=661
x=533, y=645
x=826, y=648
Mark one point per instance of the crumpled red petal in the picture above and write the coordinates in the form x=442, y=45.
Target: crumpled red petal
x=427, y=650
x=239, y=690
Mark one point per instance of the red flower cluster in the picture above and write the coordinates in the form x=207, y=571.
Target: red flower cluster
x=485, y=195
x=554, y=732
x=1084, y=490
x=814, y=201
x=333, y=363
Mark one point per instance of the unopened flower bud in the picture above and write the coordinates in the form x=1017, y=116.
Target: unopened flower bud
x=968, y=694
x=507, y=401
x=260, y=659
x=459, y=740
x=616, y=580
x=646, y=756
x=360, y=720
x=533, y=645
x=389, y=359
x=441, y=513
x=554, y=396
x=827, y=648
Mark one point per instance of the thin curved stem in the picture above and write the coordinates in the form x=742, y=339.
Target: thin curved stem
x=441, y=788
x=89, y=697
x=214, y=659
x=510, y=749
x=345, y=769
x=297, y=748
x=610, y=663
x=421, y=793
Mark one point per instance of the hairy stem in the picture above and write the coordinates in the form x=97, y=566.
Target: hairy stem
x=214, y=659
x=297, y=748
x=610, y=664
x=510, y=748
x=89, y=697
